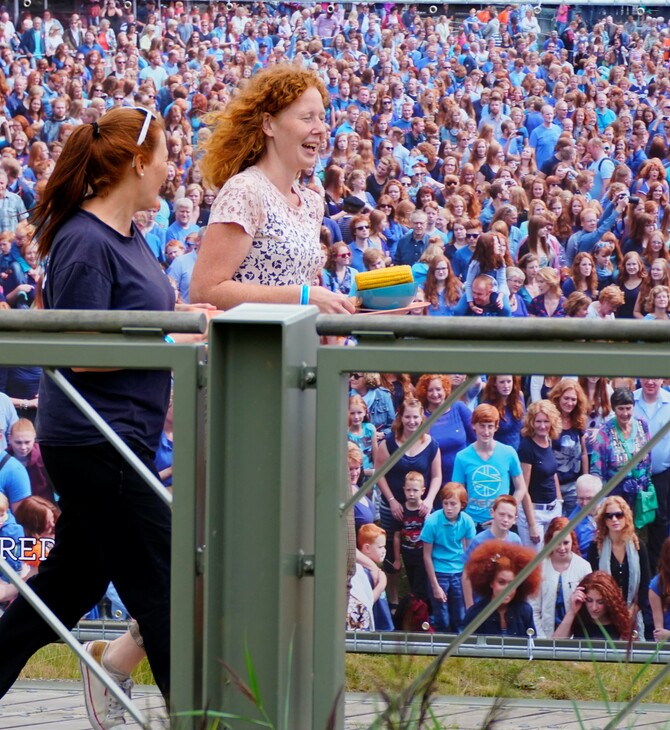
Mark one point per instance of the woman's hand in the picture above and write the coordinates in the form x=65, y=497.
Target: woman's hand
x=439, y=594
x=426, y=507
x=534, y=534
x=577, y=599
x=397, y=510
x=661, y=635
x=330, y=302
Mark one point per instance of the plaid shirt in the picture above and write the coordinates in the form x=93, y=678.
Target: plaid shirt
x=12, y=210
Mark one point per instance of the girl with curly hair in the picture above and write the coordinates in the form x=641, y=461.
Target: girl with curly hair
x=617, y=551
x=491, y=568
x=442, y=287
x=596, y=611
x=631, y=275
x=561, y=571
x=541, y=426
x=453, y=429
x=504, y=393
x=262, y=241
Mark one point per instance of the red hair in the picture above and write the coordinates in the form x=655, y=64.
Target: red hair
x=617, y=613
x=494, y=556
x=514, y=399
x=421, y=388
x=454, y=490
x=556, y=525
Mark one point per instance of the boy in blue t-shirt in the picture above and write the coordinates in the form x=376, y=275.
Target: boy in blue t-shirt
x=503, y=516
x=446, y=536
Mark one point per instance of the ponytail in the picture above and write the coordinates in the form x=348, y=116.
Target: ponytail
x=95, y=158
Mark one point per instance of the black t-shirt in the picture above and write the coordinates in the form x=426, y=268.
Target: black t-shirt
x=92, y=266
x=542, y=486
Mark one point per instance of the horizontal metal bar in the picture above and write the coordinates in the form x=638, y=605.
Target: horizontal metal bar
x=505, y=647
x=62, y=631
x=93, y=320
x=496, y=328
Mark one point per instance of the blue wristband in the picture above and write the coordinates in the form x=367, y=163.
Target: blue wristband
x=304, y=294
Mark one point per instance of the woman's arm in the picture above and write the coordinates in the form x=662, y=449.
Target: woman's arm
x=380, y=460
x=585, y=454
x=660, y=632
x=527, y=504
x=434, y=487
x=212, y=279
x=564, y=630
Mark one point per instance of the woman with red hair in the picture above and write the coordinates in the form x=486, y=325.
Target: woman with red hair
x=597, y=611
x=491, y=568
x=561, y=572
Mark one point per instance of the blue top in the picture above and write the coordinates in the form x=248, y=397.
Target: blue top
x=655, y=585
x=447, y=539
x=453, y=432
x=519, y=618
x=422, y=463
x=485, y=479
x=92, y=266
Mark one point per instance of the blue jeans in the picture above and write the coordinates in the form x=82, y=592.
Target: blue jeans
x=449, y=616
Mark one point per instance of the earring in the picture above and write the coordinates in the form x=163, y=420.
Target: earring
x=141, y=174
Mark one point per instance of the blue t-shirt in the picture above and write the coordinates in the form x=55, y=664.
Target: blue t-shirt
x=543, y=468
x=92, y=266
x=543, y=140
x=485, y=479
x=453, y=432
x=487, y=534
x=10, y=548
x=14, y=479
x=655, y=585
x=447, y=540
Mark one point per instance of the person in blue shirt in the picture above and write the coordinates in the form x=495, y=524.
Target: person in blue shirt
x=446, y=535
x=544, y=137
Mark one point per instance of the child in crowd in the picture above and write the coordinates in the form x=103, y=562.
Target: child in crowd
x=368, y=608
x=406, y=541
x=362, y=432
x=10, y=533
x=364, y=509
x=503, y=516
x=446, y=536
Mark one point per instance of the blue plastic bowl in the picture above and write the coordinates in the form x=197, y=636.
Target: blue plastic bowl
x=388, y=297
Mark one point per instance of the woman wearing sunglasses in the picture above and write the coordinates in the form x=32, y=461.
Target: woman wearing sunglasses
x=262, y=243
x=98, y=259
x=618, y=551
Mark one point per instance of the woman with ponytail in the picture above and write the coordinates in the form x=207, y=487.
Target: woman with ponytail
x=96, y=258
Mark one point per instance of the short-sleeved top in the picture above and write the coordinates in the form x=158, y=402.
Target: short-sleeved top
x=655, y=586
x=453, y=432
x=285, y=238
x=93, y=266
x=447, y=537
x=485, y=479
x=542, y=483
x=410, y=535
x=487, y=534
x=14, y=479
x=568, y=452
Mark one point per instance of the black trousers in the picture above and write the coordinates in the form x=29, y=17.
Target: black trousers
x=112, y=528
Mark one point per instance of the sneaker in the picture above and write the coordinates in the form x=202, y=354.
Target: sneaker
x=104, y=710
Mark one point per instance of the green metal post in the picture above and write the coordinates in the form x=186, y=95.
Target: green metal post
x=260, y=477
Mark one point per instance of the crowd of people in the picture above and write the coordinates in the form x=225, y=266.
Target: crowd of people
x=490, y=483
x=518, y=173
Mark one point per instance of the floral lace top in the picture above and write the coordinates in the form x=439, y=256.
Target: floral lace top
x=285, y=238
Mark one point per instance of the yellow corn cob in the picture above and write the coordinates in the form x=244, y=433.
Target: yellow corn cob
x=384, y=277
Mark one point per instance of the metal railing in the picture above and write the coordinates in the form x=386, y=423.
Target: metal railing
x=132, y=340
